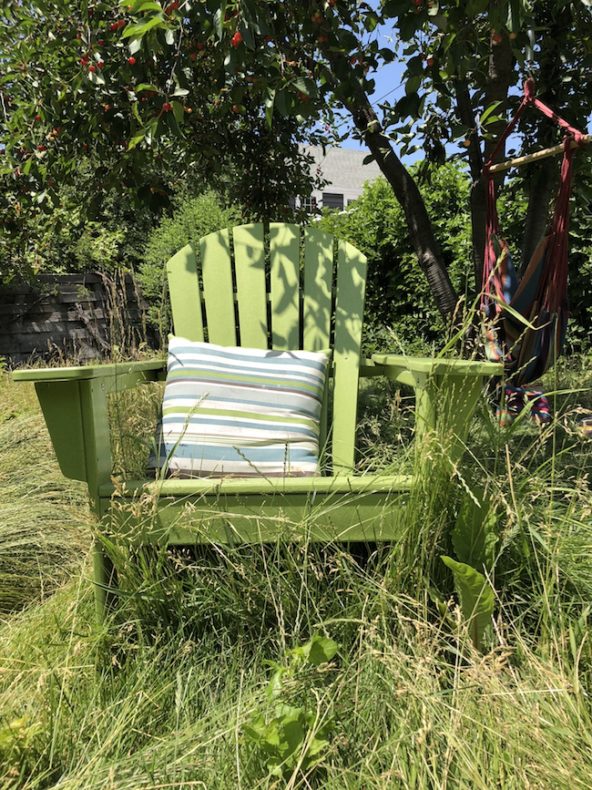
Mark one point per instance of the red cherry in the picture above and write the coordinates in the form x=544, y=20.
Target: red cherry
x=37, y=117
x=193, y=55
x=237, y=39
x=131, y=60
x=100, y=64
x=496, y=38
x=42, y=148
x=92, y=69
x=430, y=60
x=167, y=106
x=84, y=60
x=101, y=42
x=418, y=3
x=171, y=7
x=235, y=108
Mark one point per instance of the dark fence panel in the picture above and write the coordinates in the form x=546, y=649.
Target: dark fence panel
x=71, y=316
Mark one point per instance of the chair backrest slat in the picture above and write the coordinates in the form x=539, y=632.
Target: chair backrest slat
x=318, y=284
x=251, y=290
x=284, y=250
x=184, y=294
x=349, y=316
x=285, y=325
x=216, y=272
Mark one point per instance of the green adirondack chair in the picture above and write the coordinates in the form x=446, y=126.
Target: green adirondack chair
x=279, y=287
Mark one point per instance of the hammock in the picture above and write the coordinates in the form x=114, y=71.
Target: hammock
x=525, y=321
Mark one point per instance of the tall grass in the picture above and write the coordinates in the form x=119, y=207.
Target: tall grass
x=44, y=519
x=163, y=695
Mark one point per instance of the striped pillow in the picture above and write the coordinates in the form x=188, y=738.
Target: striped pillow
x=240, y=411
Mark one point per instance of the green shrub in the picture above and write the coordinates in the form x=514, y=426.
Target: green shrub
x=398, y=295
x=194, y=218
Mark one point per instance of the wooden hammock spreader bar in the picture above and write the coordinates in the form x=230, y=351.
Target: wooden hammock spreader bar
x=546, y=152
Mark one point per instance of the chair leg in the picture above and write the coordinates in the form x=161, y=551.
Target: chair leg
x=104, y=579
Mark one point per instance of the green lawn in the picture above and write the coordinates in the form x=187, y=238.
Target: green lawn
x=174, y=692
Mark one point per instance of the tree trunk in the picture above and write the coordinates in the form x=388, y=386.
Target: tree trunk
x=544, y=176
x=466, y=114
x=499, y=79
x=408, y=195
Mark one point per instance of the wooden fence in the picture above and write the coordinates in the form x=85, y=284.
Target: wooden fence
x=70, y=316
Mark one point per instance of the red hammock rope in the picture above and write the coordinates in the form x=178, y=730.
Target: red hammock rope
x=548, y=304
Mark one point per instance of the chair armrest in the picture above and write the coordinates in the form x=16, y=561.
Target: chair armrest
x=121, y=375
x=394, y=366
x=74, y=403
x=447, y=393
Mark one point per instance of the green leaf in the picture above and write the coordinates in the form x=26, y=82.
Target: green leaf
x=96, y=78
x=141, y=28
x=169, y=37
x=178, y=111
x=476, y=598
x=269, y=103
x=135, y=45
x=136, y=140
x=474, y=536
x=145, y=86
x=319, y=650
x=412, y=85
x=486, y=113
x=408, y=106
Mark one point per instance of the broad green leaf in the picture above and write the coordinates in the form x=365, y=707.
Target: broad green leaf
x=141, y=28
x=136, y=139
x=408, y=106
x=178, y=111
x=412, y=85
x=320, y=650
x=145, y=86
x=169, y=37
x=476, y=598
x=474, y=535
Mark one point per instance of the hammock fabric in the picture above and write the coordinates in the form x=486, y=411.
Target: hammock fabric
x=529, y=335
